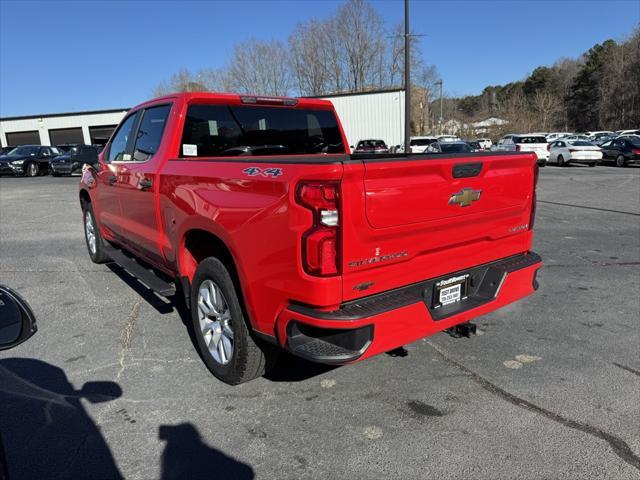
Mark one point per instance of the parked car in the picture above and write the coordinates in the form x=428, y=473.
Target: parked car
x=564, y=152
x=5, y=150
x=555, y=135
x=475, y=146
x=371, y=146
x=449, y=138
x=450, y=147
x=337, y=272
x=599, y=133
x=420, y=144
x=526, y=143
x=622, y=150
x=73, y=159
x=501, y=144
x=628, y=132
x=605, y=138
x=28, y=160
x=485, y=143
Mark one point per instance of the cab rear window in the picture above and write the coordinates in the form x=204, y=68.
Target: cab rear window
x=226, y=131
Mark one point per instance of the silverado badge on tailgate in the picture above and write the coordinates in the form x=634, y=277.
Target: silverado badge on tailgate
x=465, y=197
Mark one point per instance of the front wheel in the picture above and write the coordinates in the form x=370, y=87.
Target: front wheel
x=621, y=161
x=31, y=170
x=225, y=343
x=561, y=161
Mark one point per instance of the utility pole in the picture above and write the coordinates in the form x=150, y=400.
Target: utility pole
x=407, y=81
x=439, y=82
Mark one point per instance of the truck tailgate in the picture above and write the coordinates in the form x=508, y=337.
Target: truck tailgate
x=422, y=217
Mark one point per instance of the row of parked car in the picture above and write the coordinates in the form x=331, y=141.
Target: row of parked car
x=563, y=148
x=35, y=160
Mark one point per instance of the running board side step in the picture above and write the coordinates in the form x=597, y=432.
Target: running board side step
x=144, y=275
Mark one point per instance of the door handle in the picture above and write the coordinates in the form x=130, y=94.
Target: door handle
x=145, y=183
x=112, y=179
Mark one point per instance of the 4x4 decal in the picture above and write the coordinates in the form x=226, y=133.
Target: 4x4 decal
x=265, y=172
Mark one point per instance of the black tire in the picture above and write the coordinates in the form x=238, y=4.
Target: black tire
x=561, y=162
x=97, y=256
x=592, y=164
x=621, y=161
x=31, y=169
x=250, y=358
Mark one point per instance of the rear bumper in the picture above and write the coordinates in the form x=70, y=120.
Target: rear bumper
x=365, y=327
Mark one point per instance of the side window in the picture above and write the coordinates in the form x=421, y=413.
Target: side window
x=150, y=132
x=118, y=145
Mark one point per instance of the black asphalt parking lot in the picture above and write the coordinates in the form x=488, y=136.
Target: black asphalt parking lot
x=550, y=389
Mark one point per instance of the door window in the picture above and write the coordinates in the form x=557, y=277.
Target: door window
x=150, y=132
x=118, y=145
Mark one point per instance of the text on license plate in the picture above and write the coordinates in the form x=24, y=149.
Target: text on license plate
x=450, y=294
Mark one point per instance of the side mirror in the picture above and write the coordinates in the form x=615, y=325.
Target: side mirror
x=17, y=321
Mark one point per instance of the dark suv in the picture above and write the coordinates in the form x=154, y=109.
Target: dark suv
x=73, y=159
x=28, y=160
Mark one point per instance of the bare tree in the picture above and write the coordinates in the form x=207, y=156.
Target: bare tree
x=546, y=107
x=185, y=81
x=361, y=34
x=259, y=67
x=309, y=58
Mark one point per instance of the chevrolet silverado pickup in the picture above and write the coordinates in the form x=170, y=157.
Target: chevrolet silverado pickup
x=254, y=209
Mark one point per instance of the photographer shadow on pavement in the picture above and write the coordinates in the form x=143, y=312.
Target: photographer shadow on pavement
x=187, y=456
x=45, y=430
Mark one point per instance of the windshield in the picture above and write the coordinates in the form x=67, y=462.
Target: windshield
x=24, y=150
x=529, y=140
x=421, y=142
x=216, y=130
x=454, y=147
x=371, y=144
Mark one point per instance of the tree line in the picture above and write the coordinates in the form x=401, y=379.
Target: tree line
x=600, y=90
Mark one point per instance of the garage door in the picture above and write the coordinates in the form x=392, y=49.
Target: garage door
x=23, y=138
x=100, y=134
x=61, y=136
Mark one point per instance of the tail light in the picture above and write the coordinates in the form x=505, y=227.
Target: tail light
x=636, y=151
x=517, y=148
x=534, y=200
x=320, y=254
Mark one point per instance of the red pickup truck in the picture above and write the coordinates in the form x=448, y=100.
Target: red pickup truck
x=278, y=238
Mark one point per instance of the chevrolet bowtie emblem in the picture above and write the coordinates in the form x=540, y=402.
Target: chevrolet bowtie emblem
x=465, y=197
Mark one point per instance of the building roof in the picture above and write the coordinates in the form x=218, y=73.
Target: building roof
x=65, y=114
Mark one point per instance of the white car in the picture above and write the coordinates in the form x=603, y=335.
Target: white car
x=485, y=143
x=526, y=143
x=599, y=133
x=555, y=135
x=420, y=144
x=563, y=152
x=448, y=138
x=627, y=132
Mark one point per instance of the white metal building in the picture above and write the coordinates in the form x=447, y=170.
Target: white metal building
x=93, y=127
x=374, y=115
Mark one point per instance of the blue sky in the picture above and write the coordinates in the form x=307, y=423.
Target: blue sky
x=68, y=56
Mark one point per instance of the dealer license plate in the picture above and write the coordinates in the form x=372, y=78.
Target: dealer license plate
x=450, y=290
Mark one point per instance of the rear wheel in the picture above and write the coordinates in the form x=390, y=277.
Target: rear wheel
x=31, y=170
x=561, y=162
x=92, y=236
x=621, y=161
x=224, y=340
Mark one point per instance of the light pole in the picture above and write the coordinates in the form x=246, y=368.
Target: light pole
x=439, y=82
x=407, y=81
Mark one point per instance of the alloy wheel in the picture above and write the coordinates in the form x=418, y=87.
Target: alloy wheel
x=215, y=322
x=90, y=232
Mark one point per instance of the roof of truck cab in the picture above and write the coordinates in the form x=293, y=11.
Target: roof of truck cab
x=235, y=99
